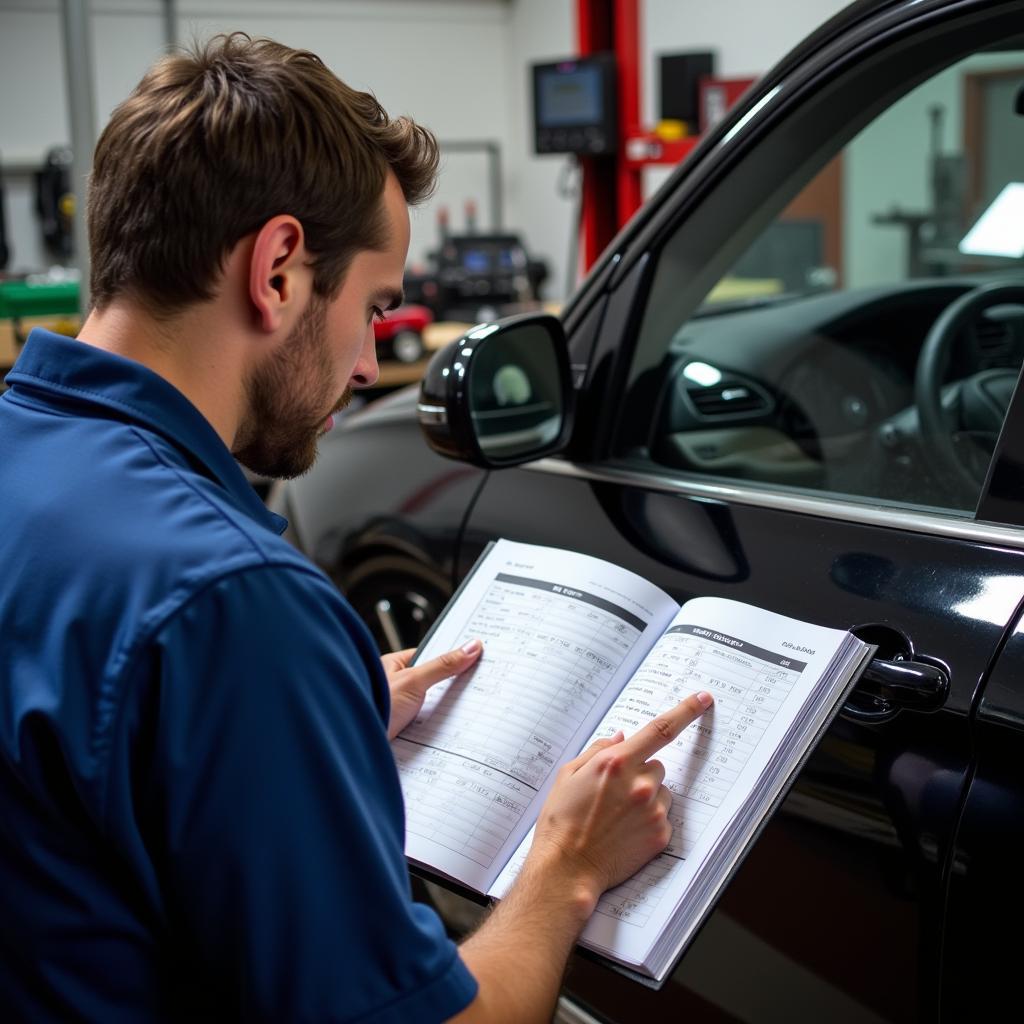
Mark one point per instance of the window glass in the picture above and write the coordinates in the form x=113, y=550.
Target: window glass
x=798, y=367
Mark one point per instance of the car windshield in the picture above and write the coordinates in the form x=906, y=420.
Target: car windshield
x=714, y=305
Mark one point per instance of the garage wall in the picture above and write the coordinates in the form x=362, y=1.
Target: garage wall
x=746, y=46
x=539, y=30
x=747, y=39
x=33, y=116
x=444, y=62
x=460, y=66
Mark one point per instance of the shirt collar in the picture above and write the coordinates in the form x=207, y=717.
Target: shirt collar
x=58, y=365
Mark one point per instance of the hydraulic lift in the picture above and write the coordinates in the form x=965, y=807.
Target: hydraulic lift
x=613, y=183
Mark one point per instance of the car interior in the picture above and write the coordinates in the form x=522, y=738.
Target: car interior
x=866, y=338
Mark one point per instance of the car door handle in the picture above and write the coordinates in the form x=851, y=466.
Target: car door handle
x=889, y=686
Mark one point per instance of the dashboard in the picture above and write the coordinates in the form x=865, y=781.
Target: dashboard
x=819, y=391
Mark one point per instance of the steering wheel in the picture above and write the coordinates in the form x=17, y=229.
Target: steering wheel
x=982, y=400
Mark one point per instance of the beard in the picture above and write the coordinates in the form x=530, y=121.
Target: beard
x=289, y=397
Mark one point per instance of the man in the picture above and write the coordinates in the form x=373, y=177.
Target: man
x=199, y=813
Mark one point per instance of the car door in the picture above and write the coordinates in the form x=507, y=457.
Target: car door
x=985, y=900
x=753, y=421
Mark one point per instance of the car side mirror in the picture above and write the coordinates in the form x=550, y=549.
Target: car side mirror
x=501, y=395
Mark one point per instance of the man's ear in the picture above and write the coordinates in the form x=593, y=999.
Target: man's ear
x=280, y=277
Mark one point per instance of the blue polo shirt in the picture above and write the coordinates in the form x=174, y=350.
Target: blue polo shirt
x=200, y=817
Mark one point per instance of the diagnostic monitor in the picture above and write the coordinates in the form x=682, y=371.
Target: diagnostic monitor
x=574, y=109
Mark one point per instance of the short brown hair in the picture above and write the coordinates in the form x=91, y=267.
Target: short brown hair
x=216, y=141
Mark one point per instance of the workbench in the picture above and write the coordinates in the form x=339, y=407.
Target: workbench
x=27, y=304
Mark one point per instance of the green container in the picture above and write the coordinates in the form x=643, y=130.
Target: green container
x=21, y=298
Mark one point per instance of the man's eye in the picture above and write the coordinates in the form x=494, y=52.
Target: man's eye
x=377, y=313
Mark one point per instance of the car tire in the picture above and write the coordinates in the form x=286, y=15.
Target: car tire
x=397, y=597
x=407, y=346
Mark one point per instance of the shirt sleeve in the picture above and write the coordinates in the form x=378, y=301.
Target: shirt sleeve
x=266, y=797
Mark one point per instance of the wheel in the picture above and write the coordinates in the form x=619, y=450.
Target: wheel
x=407, y=346
x=397, y=597
x=978, y=407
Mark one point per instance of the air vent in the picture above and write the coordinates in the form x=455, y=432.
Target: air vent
x=994, y=339
x=727, y=398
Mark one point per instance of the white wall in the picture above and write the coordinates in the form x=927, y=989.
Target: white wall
x=538, y=30
x=125, y=36
x=32, y=114
x=748, y=38
x=443, y=62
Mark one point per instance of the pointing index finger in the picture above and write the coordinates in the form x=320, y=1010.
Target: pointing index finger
x=663, y=729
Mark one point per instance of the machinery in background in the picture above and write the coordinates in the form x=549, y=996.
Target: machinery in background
x=48, y=297
x=574, y=107
x=44, y=300
x=936, y=243
x=400, y=335
x=589, y=106
x=473, y=277
x=469, y=278
x=933, y=235
x=55, y=203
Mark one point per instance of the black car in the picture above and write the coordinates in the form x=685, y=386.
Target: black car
x=791, y=380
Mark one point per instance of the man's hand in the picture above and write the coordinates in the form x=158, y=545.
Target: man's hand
x=606, y=815
x=409, y=685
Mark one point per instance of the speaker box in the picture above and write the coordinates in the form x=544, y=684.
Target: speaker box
x=679, y=91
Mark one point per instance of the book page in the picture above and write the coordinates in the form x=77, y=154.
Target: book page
x=560, y=633
x=761, y=667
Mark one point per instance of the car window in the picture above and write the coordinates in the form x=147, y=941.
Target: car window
x=859, y=330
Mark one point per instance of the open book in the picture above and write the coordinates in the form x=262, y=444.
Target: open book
x=576, y=648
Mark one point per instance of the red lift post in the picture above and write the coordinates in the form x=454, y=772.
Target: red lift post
x=613, y=185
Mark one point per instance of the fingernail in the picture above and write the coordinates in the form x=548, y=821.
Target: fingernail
x=472, y=647
x=704, y=699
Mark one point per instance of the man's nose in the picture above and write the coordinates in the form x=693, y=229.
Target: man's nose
x=366, y=370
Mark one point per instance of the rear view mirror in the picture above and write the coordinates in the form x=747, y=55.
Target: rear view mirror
x=501, y=394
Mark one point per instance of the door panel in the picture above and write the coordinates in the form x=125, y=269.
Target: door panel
x=838, y=908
